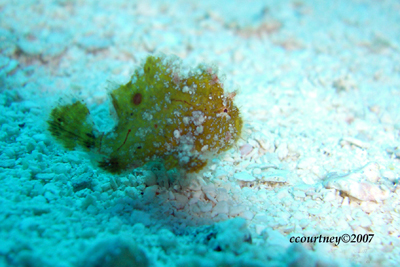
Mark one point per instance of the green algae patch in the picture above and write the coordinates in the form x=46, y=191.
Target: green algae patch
x=164, y=114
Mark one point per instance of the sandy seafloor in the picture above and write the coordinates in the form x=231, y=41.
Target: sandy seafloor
x=319, y=93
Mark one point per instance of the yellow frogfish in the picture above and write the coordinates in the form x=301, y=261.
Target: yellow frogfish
x=180, y=118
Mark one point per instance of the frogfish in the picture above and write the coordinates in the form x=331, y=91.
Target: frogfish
x=182, y=118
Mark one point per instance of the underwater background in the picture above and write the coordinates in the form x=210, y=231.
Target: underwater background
x=311, y=181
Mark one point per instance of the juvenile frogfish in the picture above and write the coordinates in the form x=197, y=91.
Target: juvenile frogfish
x=163, y=113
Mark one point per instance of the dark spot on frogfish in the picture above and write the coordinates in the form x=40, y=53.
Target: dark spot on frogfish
x=137, y=99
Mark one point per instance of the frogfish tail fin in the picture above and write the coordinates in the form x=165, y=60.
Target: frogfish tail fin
x=70, y=124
